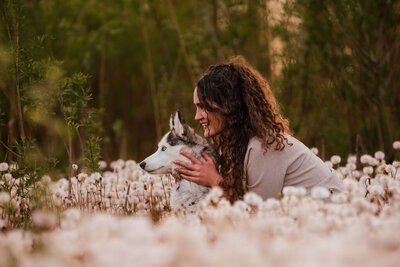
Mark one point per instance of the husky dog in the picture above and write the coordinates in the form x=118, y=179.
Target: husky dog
x=181, y=136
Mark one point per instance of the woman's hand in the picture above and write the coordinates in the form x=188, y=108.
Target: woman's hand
x=203, y=173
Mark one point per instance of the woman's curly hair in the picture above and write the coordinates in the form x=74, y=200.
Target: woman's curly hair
x=243, y=97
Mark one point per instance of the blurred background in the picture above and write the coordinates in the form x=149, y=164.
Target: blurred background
x=96, y=79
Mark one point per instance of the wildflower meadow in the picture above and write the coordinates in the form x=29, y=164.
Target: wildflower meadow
x=121, y=216
x=86, y=92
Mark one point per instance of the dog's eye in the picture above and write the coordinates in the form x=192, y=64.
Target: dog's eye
x=163, y=148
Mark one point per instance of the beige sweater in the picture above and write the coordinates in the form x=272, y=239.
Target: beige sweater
x=295, y=165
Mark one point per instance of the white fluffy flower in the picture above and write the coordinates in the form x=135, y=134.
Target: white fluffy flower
x=4, y=197
x=375, y=190
x=339, y=198
x=3, y=166
x=314, y=150
x=373, y=161
x=72, y=214
x=216, y=191
x=352, y=159
x=44, y=219
x=364, y=159
x=270, y=205
x=8, y=177
x=379, y=155
x=96, y=176
x=102, y=164
x=351, y=166
x=46, y=179
x=289, y=191
x=241, y=206
x=335, y=159
x=396, y=145
x=320, y=192
x=390, y=169
x=349, y=185
x=133, y=200
x=368, y=170
x=82, y=176
x=356, y=174
x=74, y=167
x=396, y=164
x=252, y=199
x=301, y=191
x=13, y=167
x=384, y=180
x=130, y=164
x=141, y=206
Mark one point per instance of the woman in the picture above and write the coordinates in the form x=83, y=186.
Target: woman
x=241, y=117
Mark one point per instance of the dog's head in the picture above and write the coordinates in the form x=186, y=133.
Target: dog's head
x=180, y=136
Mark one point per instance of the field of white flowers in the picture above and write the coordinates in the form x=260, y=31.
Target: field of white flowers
x=122, y=218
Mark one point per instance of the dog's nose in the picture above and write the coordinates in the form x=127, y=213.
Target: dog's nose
x=142, y=164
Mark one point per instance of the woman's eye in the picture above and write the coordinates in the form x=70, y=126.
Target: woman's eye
x=163, y=148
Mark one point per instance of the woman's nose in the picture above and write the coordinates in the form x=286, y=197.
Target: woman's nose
x=198, y=115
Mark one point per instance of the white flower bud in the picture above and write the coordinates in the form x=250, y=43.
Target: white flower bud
x=352, y=159
x=314, y=150
x=320, y=192
x=252, y=199
x=44, y=219
x=46, y=179
x=102, y=164
x=379, y=155
x=74, y=167
x=390, y=169
x=13, y=167
x=95, y=176
x=368, y=170
x=339, y=198
x=396, y=145
x=301, y=191
x=335, y=159
x=3, y=166
x=8, y=177
x=350, y=185
x=4, y=197
x=351, y=166
x=364, y=159
x=373, y=161
x=82, y=176
x=375, y=190
x=289, y=191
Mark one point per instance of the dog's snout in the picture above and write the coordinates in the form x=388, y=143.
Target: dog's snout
x=142, y=165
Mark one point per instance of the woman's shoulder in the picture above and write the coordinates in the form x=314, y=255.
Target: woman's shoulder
x=292, y=145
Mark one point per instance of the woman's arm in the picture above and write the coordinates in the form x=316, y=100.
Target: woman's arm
x=200, y=172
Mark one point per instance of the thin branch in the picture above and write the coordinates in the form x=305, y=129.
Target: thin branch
x=10, y=150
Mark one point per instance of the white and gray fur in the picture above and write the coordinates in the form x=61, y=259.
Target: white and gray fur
x=181, y=136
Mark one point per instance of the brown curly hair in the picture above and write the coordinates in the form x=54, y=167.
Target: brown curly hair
x=243, y=97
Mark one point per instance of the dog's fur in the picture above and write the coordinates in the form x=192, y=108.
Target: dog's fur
x=181, y=136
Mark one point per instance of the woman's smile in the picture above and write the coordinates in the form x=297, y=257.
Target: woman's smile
x=212, y=122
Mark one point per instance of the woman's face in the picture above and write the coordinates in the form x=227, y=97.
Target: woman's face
x=213, y=123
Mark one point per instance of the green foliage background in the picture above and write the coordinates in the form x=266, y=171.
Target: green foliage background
x=102, y=77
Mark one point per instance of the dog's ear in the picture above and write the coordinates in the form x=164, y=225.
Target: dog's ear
x=171, y=122
x=178, y=124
